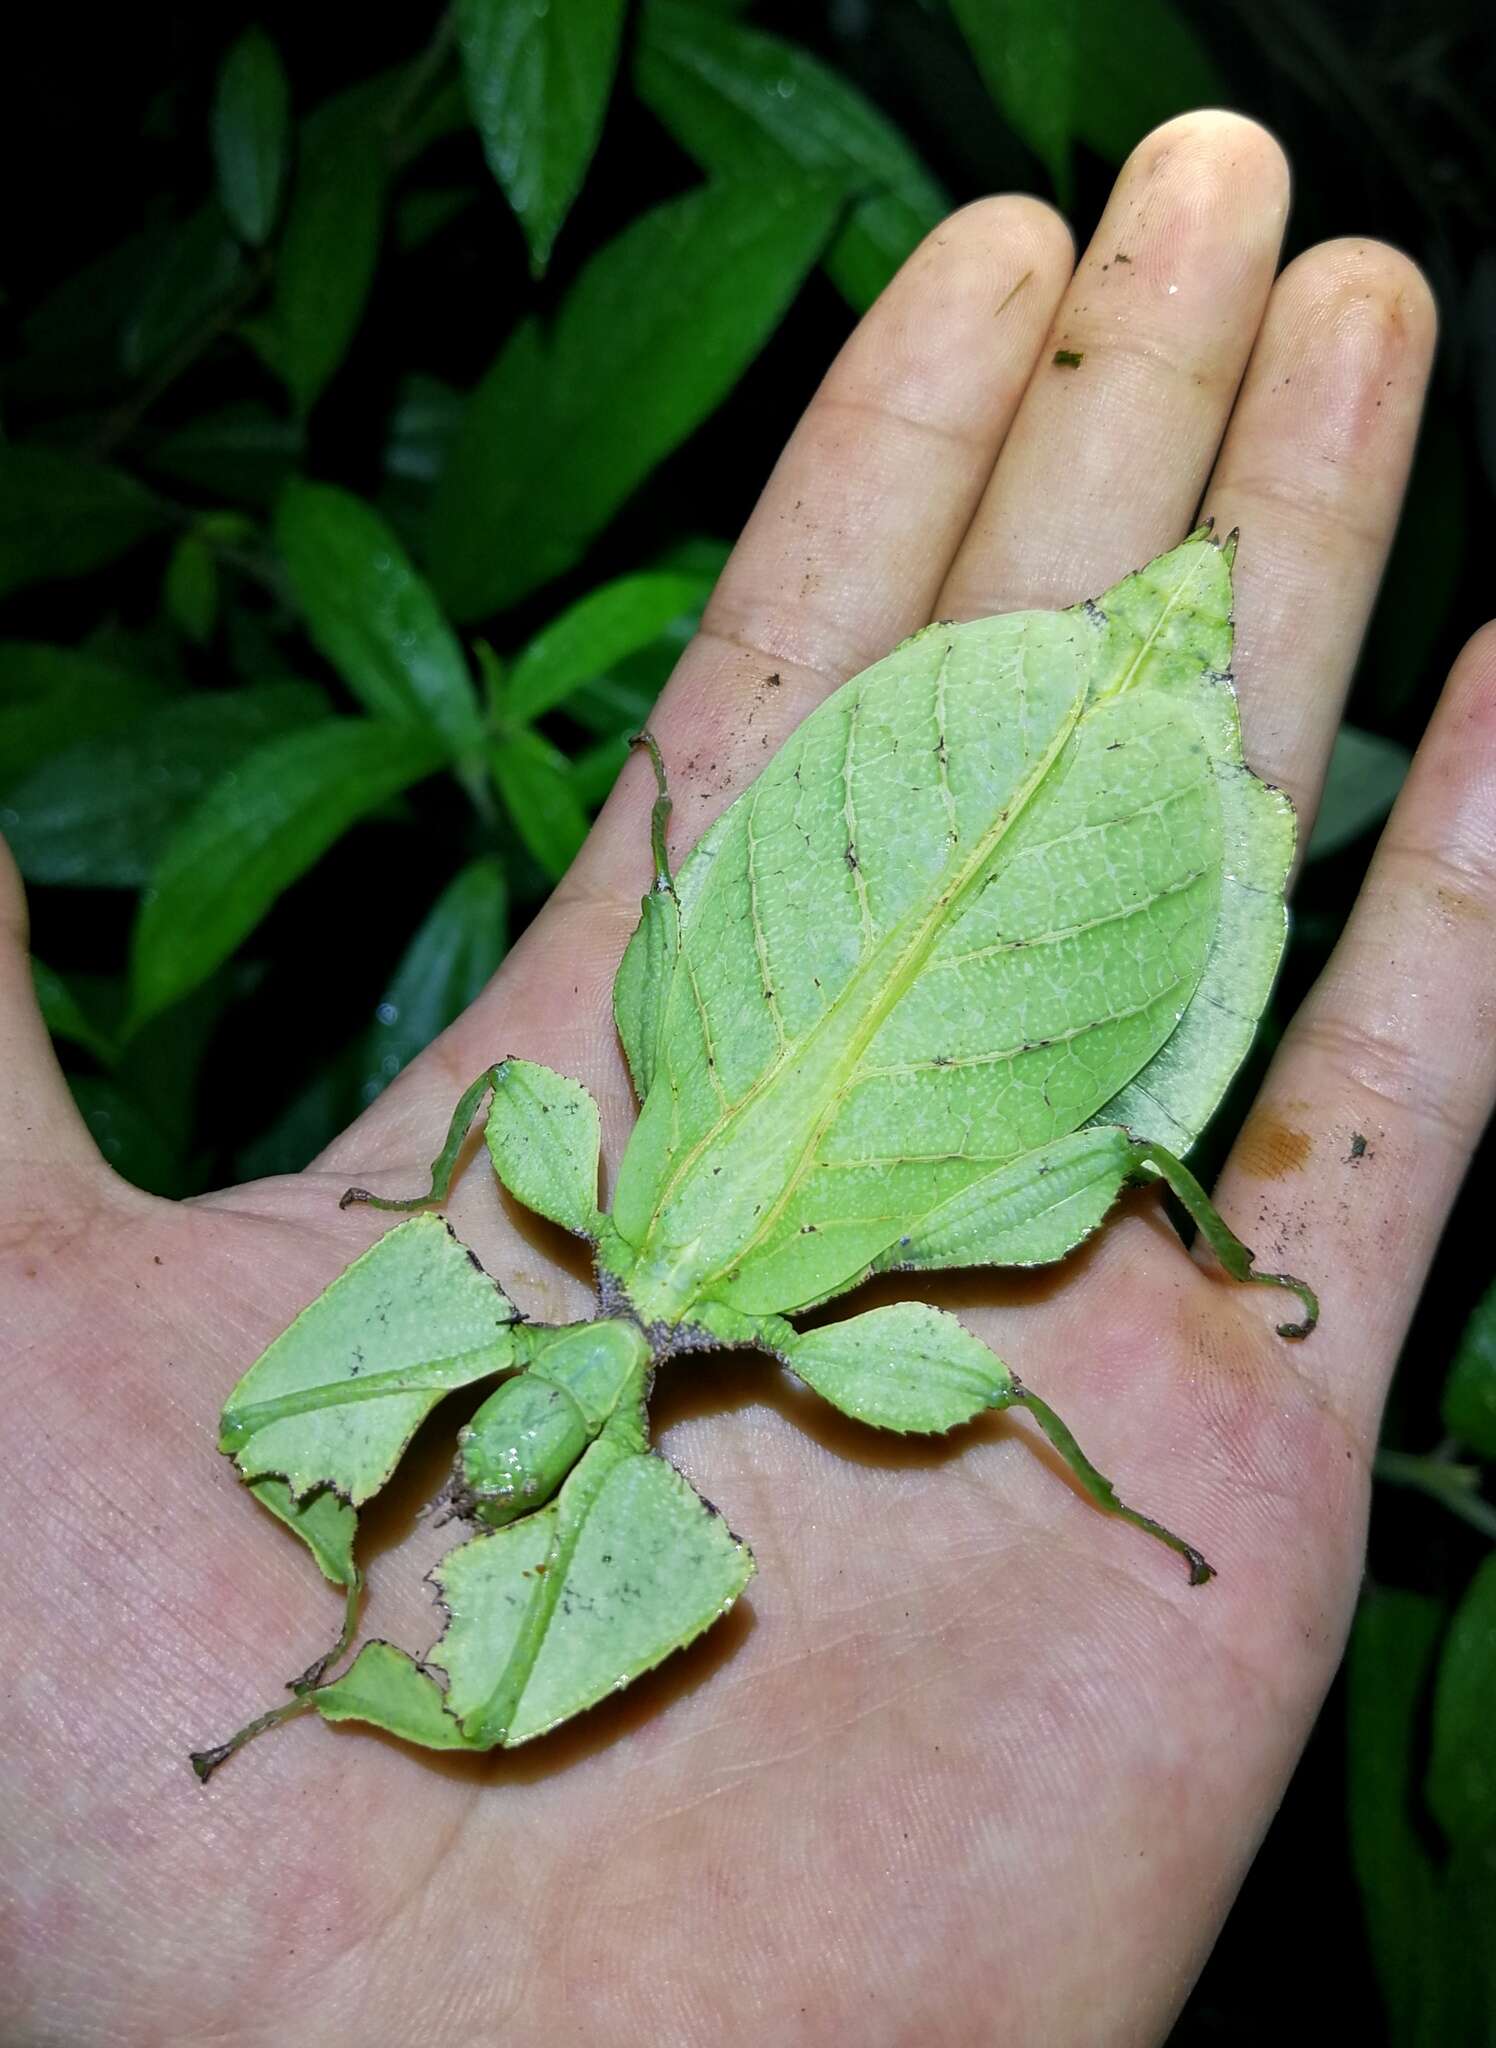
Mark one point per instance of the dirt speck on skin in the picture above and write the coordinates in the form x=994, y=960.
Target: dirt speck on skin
x=1270, y=1149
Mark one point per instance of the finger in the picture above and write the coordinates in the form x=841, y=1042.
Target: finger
x=1313, y=472
x=1347, y=1167
x=1107, y=457
x=41, y=1133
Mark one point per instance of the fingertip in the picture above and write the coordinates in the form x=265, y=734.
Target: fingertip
x=1213, y=162
x=1020, y=224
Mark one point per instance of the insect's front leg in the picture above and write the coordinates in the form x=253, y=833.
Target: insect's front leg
x=1040, y=1207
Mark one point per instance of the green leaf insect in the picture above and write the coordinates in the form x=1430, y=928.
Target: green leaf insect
x=984, y=942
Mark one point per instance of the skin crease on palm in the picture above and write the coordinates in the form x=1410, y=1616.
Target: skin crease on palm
x=971, y=1763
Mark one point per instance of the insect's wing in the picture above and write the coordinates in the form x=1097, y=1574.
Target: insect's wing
x=1172, y=1098
x=852, y=830
x=336, y=1398
x=1065, y=962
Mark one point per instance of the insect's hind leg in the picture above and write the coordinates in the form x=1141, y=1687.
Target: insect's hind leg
x=1148, y=1158
x=1096, y=1483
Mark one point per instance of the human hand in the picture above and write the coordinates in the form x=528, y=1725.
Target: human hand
x=971, y=1759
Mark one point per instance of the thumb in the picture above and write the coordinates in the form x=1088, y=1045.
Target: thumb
x=41, y=1132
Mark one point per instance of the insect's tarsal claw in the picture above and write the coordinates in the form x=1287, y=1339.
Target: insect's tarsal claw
x=350, y=1196
x=1306, y=1294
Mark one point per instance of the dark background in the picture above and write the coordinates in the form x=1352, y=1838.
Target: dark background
x=1385, y=111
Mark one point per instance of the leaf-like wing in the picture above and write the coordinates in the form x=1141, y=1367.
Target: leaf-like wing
x=629, y=1564
x=336, y=1398
x=1172, y=1098
x=968, y=900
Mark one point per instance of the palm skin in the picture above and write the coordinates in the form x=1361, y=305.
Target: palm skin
x=971, y=1762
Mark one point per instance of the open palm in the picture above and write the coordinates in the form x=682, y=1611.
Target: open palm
x=971, y=1761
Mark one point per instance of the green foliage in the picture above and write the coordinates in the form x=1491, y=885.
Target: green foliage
x=61, y=515
x=650, y=338
x=538, y=80
x=250, y=442
x=252, y=136
x=746, y=105
x=261, y=826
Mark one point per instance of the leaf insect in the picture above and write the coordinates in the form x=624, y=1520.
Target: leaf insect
x=983, y=943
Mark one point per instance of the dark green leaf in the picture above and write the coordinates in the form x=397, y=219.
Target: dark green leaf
x=535, y=780
x=1470, y=1392
x=652, y=336
x=307, y=1125
x=420, y=216
x=1391, y=1660
x=72, y=343
x=202, y=272
x=742, y=102
x=1462, y=1766
x=190, y=593
x=62, y=516
x=161, y=1066
x=325, y=265
x=1027, y=52
x=1424, y=570
x=373, y=617
x=252, y=135
x=1138, y=65
x=610, y=623
x=454, y=953
x=53, y=696
x=422, y=427
x=1464, y=2005
x=243, y=452
x=538, y=80
x=256, y=832
x=128, y=1136
x=594, y=773
x=1062, y=71
x=64, y=1016
x=99, y=813
x=1365, y=774
x=448, y=964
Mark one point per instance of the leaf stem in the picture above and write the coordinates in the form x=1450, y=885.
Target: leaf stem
x=1456, y=1487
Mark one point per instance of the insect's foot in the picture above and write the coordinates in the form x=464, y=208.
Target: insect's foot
x=1306, y=1295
